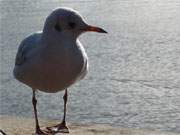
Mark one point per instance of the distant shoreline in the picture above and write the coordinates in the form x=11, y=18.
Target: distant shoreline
x=25, y=126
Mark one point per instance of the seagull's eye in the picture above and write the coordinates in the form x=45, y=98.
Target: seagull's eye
x=57, y=27
x=72, y=25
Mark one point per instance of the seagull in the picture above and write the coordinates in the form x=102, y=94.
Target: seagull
x=54, y=59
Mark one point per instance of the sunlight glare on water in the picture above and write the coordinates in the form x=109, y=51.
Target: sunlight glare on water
x=134, y=77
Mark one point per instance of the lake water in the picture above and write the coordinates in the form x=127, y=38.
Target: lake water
x=134, y=77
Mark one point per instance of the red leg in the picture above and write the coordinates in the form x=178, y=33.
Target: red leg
x=34, y=102
x=61, y=128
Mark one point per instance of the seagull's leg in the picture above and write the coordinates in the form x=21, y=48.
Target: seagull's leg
x=34, y=102
x=61, y=128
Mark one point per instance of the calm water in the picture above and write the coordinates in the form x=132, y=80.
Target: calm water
x=134, y=77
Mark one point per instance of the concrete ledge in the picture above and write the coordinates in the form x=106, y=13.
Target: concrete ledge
x=25, y=126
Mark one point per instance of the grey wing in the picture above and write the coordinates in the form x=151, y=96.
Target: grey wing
x=26, y=46
x=20, y=56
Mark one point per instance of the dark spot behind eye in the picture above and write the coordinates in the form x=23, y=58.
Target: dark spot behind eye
x=57, y=27
x=72, y=25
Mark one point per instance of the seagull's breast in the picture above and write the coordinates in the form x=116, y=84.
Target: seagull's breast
x=56, y=68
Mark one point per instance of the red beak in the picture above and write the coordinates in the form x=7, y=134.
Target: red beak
x=94, y=29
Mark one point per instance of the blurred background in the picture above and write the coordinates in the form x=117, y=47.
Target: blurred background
x=134, y=77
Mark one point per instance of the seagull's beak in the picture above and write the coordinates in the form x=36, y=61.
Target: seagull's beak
x=93, y=29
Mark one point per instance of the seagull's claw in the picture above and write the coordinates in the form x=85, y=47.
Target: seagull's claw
x=60, y=128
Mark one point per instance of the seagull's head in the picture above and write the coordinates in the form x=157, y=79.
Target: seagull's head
x=68, y=21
